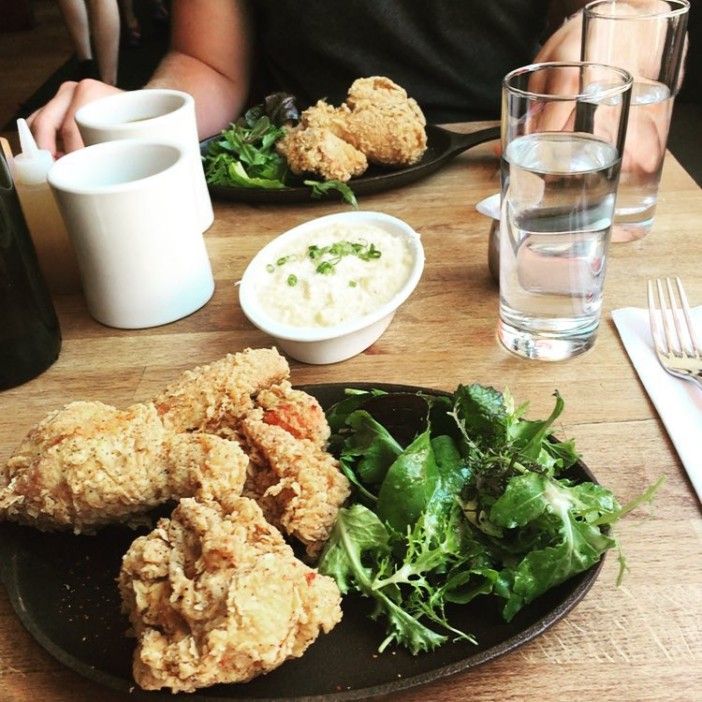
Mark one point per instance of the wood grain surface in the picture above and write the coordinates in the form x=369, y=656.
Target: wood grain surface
x=640, y=641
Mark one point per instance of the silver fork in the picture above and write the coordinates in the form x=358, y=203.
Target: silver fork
x=676, y=344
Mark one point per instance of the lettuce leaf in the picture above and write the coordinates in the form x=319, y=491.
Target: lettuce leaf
x=575, y=544
x=409, y=484
x=475, y=504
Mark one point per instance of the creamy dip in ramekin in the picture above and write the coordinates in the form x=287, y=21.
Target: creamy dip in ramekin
x=333, y=274
x=328, y=288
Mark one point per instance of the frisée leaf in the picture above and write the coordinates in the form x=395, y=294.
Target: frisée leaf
x=360, y=537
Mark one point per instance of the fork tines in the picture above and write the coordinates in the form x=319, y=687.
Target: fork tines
x=667, y=314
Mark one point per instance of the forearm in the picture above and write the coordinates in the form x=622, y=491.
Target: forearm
x=218, y=99
x=210, y=58
x=563, y=43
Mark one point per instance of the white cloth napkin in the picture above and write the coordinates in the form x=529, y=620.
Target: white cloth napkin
x=678, y=402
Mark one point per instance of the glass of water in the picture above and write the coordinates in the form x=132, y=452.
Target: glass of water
x=563, y=131
x=647, y=38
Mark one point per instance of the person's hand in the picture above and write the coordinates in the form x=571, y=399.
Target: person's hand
x=563, y=46
x=54, y=126
x=564, y=43
x=640, y=49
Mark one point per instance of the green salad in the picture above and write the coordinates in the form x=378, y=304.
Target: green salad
x=244, y=155
x=458, y=497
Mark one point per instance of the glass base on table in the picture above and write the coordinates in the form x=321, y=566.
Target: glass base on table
x=632, y=224
x=544, y=346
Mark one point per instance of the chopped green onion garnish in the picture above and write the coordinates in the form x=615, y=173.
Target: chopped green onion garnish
x=292, y=280
x=331, y=255
x=325, y=268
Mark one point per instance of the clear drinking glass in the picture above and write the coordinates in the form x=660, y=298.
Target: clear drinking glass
x=563, y=130
x=648, y=39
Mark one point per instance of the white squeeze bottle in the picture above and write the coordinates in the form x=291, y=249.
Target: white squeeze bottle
x=57, y=259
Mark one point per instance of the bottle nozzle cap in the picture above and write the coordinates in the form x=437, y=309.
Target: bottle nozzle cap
x=32, y=165
x=29, y=146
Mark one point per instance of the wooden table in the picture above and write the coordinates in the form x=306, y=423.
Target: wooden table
x=641, y=641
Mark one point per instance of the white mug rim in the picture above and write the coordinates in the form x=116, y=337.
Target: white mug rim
x=97, y=114
x=61, y=181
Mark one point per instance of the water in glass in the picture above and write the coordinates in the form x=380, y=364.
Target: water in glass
x=557, y=207
x=647, y=133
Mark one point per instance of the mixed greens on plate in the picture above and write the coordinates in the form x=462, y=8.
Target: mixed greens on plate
x=458, y=497
x=245, y=156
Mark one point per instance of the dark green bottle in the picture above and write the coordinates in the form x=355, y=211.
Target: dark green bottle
x=30, y=338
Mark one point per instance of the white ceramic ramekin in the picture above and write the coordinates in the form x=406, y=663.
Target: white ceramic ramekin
x=320, y=345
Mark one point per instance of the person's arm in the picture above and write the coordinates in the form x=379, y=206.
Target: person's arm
x=565, y=27
x=210, y=57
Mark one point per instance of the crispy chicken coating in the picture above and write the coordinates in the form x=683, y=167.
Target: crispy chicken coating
x=206, y=467
x=215, y=595
x=384, y=123
x=298, y=485
x=326, y=116
x=378, y=123
x=213, y=398
x=295, y=411
x=90, y=464
x=318, y=150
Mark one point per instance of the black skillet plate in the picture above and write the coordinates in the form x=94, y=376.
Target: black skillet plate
x=63, y=589
x=442, y=146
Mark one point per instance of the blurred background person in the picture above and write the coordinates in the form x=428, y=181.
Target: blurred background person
x=130, y=22
x=94, y=25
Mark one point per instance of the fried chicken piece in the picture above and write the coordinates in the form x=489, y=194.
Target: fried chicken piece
x=318, y=150
x=205, y=466
x=213, y=398
x=215, y=595
x=378, y=123
x=295, y=411
x=326, y=116
x=90, y=464
x=297, y=484
x=384, y=123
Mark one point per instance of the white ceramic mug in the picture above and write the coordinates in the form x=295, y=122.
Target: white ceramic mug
x=154, y=114
x=137, y=238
